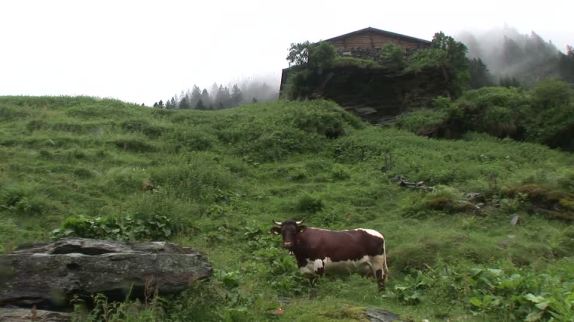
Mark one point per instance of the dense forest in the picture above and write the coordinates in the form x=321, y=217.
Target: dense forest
x=513, y=58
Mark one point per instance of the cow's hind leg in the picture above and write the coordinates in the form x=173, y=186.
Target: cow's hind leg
x=380, y=270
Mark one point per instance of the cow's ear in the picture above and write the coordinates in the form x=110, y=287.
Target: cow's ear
x=300, y=228
x=276, y=230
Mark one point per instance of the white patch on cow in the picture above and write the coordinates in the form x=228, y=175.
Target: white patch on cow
x=317, y=264
x=371, y=232
x=308, y=269
x=362, y=265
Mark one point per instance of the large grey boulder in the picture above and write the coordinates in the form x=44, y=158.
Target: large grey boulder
x=380, y=315
x=50, y=275
x=28, y=315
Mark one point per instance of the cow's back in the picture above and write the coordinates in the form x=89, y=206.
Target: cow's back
x=339, y=245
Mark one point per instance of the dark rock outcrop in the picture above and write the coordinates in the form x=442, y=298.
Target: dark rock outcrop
x=373, y=93
x=50, y=275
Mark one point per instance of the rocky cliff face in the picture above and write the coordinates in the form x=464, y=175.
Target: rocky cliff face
x=373, y=93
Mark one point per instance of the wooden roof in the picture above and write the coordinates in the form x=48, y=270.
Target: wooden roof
x=382, y=32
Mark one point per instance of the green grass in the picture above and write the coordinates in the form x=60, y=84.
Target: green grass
x=220, y=177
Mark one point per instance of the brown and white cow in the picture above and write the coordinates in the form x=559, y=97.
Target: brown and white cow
x=319, y=250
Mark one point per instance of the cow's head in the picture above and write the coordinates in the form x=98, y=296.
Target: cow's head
x=288, y=230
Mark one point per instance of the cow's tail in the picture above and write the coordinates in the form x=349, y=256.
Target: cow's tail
x=385, y=267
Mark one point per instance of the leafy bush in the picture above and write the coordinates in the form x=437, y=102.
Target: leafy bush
x=128, y=311
x=551, y=202
x=192, y=139
x=322, y=55
x=23, y=201
x=201, y=178
x=392, y=57
x=142, y=126
x=136, y=227
x=309, y=204
x=512, y=293
x=277, y=144
x=339, y=172
x=367, y=146
x=422, y=122
x=346, y=61
x=125, y=180
x=426, y=59
x=279, y=268
x=134, y=145
x=545, y=114
x=551, y=93
x=293, y=128
x=410, y=291
x=8, y=113
x=325, y=119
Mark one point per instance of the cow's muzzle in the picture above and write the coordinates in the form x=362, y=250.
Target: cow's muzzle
x=287, y=245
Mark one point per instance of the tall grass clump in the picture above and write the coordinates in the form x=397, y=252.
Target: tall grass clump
x=199, y=177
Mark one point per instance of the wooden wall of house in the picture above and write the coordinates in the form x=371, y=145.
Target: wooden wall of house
x=369, y=40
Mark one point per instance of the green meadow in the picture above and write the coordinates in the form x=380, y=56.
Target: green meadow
x=215, y=181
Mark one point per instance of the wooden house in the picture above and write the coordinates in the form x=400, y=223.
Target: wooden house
x=374, y=39
x=367, y=43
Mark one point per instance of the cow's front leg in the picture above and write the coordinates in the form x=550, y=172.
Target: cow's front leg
x=316, y=269
x=319, y=267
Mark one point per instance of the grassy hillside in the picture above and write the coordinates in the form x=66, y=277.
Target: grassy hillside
x=216, y=180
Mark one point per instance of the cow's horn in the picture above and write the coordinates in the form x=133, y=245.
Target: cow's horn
x=278, y=223
x=299, y=222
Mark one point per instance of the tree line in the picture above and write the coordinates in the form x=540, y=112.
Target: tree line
x=220, y=96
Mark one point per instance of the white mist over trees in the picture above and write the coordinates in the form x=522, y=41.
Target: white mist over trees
x=515, y=58
x=223, y=96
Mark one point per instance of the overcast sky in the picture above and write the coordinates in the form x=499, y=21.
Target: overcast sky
x=144, y=51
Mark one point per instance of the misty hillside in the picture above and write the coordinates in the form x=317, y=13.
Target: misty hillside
x=527, y=58
x=215, y=180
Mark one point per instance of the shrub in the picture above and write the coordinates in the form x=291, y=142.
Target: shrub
x=309, y=204
x=370, y=144
x=277, y=144
x=393, y=57
x=24, y=201
x=125, y=180
x=355, y=62
x=422, y=122
x=136, y=227
x=551, y=202
x=551, y=93
x=323, y=118
x=142, y=126
x=443, y=199
x=192, y=139
x=201, y=178
x=8, y=113
x=340, y=173
x=493, y=293
x=83, y=173
x=134, y=145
